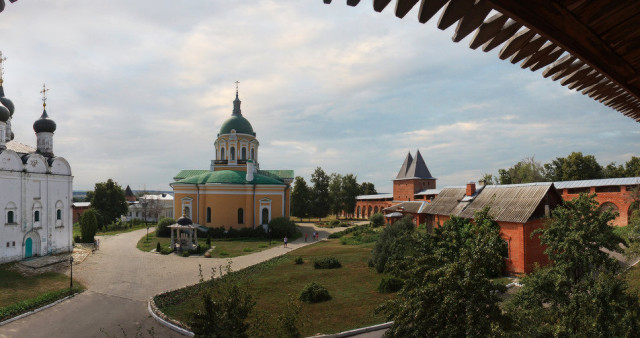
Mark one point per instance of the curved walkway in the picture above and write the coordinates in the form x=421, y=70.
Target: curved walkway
x=120, y=279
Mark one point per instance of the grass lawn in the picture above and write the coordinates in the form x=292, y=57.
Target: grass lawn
x=633, y=278
x=110, y=230
x=352, y=288
x=16, y=288
x=324, y=219
x=223, y=248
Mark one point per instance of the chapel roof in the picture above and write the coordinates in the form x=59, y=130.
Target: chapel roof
x=230, y=177
x=237, y=122
x=414, y=168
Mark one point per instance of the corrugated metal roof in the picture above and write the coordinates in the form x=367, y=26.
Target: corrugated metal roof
x=188, y=173
x=408, y=206
x=429, y=192
x=597, y=183
x=81, y=204
x=374, y=197
x=446, y=201
x=19, y=147
x=283, y=174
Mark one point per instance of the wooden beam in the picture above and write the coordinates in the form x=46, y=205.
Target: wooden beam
x=454, y=11
x=559, y=65
x=509, y=29
x=404, y=6
x=379, y=5
x=568, y=70
x=428, y=8
x=546, y=59
x=577, y=75
x=353, y=3
x=515, y=43
x=488, y=30
x=472, y=20
x=528, y=49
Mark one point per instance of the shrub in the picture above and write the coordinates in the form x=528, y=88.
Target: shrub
x=232, y=233
x=77, y=239
x=166, y=251
x=281, y=226
x=334, y=223
x=389, y=243
x=208, y=239
x=314, y=293
x=263, y=245
x=376, y=220
x=89, y=225
x=224, y=253
x=298, y=260
x=163, y=227
x=186, y=253
x=158, y=247
x=390, y=284
x=245, y=232
x=327, y=263
x=247, y=249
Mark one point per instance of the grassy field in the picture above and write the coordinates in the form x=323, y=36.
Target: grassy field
x=352, y=288
x=223, y=248
x=324, y=219
x=110, y=231
x=16, y=288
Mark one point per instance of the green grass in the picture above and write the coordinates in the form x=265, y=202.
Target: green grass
x=223, y=248
x=19, y=293
x=110, y=230
x=633, y=278
x=352, y=288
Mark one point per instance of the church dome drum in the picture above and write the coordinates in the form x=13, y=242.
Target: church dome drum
x=5, y=114
x=238, y=123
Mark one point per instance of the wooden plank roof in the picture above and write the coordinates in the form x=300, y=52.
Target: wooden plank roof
x=588, y=45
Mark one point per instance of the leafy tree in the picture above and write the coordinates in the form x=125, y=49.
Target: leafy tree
x=282, y=226
x=109, y=200
x=162, y=230
x=367, y=188
x=89, y=225
x=350, y=190
x=489, y=179
x=632, y=167
x=336, y=196
x=526, y=171
x=573, y=167
x=579, y=294
x=300, y=198
x=376, y=220
x=613, y=171
x=390, y=241
x=320, y=193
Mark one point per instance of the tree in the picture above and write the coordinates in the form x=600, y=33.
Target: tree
x=632, y=167
x=320, y=193
x=108, y=199
x=489, y=179
x=389, y=243
x=89, y=225
x=350, y=190
x=300, y=203
x=573, y=167
x=162, y=229
x=336, y=196
x=579, y=294
x=613, y=171
x=526, y=171
x=367, y=188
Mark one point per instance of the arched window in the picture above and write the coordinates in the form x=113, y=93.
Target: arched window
x=208, y=215
x=187, y=212
x=253, y=154
x=369, y=213
x=358, y=212
x=633, y=207
x=244, y=153
x=232, y=154
x=265, y=216
x=36, y=216
x=240, y=216
x=10, y=217
x=375, y=210
x=608, y=206
x=222, y=153
x=58, y=214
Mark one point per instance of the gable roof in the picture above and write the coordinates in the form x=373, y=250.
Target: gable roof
x=509, y=203
x=414, y=168
x=20, y=147
x=405, y=166
x=598, y=182
x=413, y=207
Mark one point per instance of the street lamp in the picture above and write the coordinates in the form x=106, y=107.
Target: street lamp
x=71, y=280
x=147, y=232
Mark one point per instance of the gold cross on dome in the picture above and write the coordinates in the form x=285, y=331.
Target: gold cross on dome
x=237, y=82
x=44, y=95
x=2, y=60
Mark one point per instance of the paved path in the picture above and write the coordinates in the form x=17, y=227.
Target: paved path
x=120, y=279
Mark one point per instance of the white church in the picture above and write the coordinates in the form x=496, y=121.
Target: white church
x=35, y=190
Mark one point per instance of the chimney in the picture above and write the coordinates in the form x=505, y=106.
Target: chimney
x=471, y=188
x=249, y=170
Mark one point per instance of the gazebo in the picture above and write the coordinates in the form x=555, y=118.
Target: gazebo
x=186, y=234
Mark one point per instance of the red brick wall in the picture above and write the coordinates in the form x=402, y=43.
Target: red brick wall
x=404, y=190
x=365, y=205
x=621, y=199
x=77, y=212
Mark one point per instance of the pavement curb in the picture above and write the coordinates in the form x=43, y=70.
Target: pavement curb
x=159, y=318
x=354, y=332
x=27, y=314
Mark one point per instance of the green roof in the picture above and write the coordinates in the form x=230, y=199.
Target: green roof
x=239, y=123
x=188, y=173
x=283, y=174
x=229, y=177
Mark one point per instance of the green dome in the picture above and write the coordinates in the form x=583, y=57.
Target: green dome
x=229, y=177
x=239, y=123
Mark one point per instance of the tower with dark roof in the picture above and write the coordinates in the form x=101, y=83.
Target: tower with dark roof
x=413, y=177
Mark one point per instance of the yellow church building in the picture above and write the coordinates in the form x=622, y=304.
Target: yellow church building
x=234, y=192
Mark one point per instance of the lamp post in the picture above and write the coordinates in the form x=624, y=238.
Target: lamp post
x=269, y=236
x=71, y=279
x=147, y=232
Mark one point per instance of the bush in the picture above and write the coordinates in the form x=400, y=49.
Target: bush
x=77, y=239
x=390, y=284
x=314, y=293
x=224, y=253
x=208, y=239
x=281, y=226
x=158, y=247
x=166, y=251
x=232, y=233
x=388, y=243
x=263, y=245
x=376, y=220
x=334, y=223
x=89, y=225
x=298, y=260
x=163, y=227
x=186, y=253
x=247, y=249
x=327, y=263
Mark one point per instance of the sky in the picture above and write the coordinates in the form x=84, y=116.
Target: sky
x=139, y=90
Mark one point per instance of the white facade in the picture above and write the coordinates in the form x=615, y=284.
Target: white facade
x=35, y=204
x=151, y=208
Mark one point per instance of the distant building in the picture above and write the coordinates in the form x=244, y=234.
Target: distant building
x=78, y=208
x=129, y=195
x=36, y=190
x=151, y=208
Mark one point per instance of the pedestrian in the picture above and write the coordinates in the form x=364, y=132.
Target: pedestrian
x=285, y=241
x=314, y=235
x=305, y=236
x=318, y=236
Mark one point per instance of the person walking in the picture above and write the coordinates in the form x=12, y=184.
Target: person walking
x=285, y=241
x=305, y=236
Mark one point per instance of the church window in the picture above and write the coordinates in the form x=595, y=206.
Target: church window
x=265, y=216
x=232, y=154
x=36, y=216
x=10, y=217
x=240, y=216
x=222, y=153
x=58, y=214
x=209, y=215
x=253, y=154
x=244, y=153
